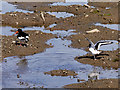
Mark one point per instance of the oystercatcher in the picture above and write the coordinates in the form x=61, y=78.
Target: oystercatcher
x=22, y=36
x=94, y=48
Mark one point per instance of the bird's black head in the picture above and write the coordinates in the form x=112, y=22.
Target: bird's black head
x=19, y=30
x=89, y=45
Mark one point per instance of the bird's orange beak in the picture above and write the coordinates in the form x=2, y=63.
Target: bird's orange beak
x=16, y=32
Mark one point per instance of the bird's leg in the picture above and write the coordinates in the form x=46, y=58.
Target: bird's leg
x=94, y=57
x=20, y=43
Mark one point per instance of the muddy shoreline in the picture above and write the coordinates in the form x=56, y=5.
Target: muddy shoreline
x=61, y=73
x=103, y=83
x=108, y=59
x=83, y=21
x=35, y=45
x=20, y=19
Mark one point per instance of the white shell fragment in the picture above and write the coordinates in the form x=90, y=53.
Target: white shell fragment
x=86, y=16
x=93, y=31
x=13, y=42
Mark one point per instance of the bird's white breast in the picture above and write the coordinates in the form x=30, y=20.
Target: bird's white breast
x=27, y=36
x=21, y=37
x=94, y=51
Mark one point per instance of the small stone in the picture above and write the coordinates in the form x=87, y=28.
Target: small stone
x=35, y=11
x=85, y=5
x=76, y=9
x=79, y=40
x=112, y=31
x=68, y=45
x=91, y=10
x=13, y=42
x=50, y=44
x=37, y=32
x=18, y=76
x=17, y=23
x=86, y=16
x=110, y=81
x=98, y=10
x=78, y=80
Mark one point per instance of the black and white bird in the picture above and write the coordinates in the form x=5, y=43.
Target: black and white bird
x=94, y=48
x=22, y=36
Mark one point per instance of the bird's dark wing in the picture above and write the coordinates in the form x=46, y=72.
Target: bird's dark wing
x=25, y=34
x=100, y=43
x=91, y=44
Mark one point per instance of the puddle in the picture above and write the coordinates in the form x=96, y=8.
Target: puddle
x=52, y=25
x=70, y=2
x=0, y=75
x=61, y=14
x=7, y=7
x=6, y=30
x=108, y=8
x=111, y=26
x=31, y=68
x=55, y=58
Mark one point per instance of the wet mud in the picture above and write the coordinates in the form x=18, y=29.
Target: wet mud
x=103, y=83
x=61, y=73
x=83, y=20
x=36, y=44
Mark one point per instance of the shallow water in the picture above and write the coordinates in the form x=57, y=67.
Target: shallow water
x=0, y=75
x=61, y=14
x=108, y=8
x=7, y=7
x=62, y=57
x=111, y=26
x=6, y=30
x=70, y=2
x=31, y=68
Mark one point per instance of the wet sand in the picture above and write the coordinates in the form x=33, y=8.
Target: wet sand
x=36, y=44
x=103, y=83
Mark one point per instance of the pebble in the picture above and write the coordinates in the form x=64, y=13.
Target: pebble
x=85, y=5
x=37, y=32
x=98, y=10
x=86, y=16
x=30, y=44
x=79, y=40
x=17, y=23
x=78, y=80
x=13, y=42
x=91, y=10
x=112, y=31
x=18, y=76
